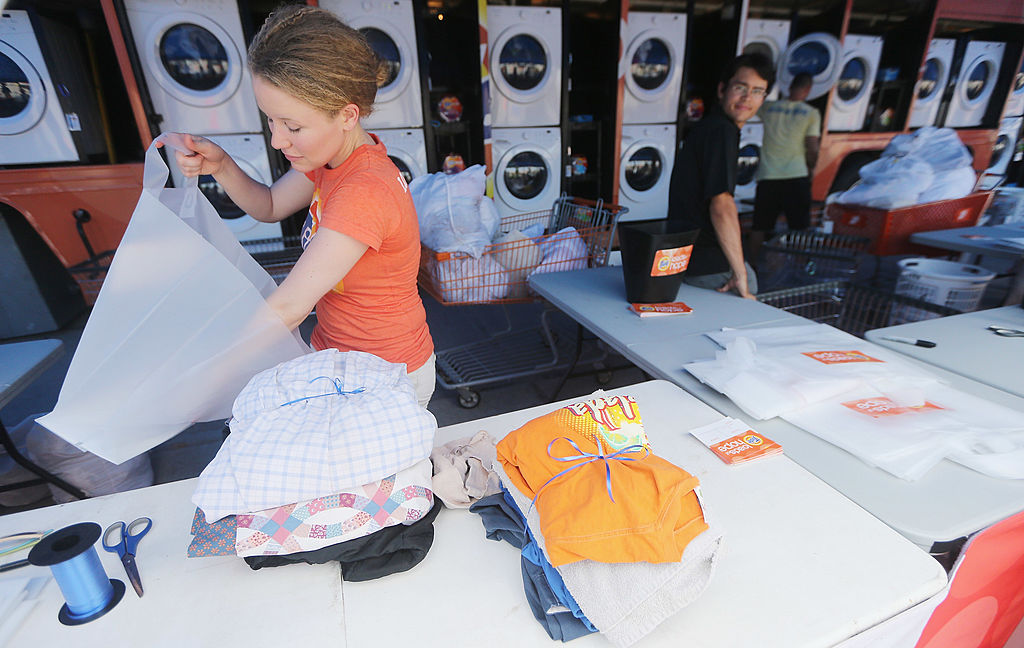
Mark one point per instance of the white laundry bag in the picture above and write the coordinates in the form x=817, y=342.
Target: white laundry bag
x=180, y=326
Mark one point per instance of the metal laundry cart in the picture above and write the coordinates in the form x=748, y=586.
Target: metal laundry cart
x=574, y=234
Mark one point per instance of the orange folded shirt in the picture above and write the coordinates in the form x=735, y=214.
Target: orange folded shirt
x=656, y=512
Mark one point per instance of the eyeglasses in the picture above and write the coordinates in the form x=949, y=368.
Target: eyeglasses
x=744, y=89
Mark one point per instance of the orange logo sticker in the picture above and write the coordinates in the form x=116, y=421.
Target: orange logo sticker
x=882, y=406
x=840, y=357
x=671, y=261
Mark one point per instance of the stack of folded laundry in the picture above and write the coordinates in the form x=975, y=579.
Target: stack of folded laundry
x=327, y=460
x=614, y=539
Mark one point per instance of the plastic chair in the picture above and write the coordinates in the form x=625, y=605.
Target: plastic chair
x=986, y=597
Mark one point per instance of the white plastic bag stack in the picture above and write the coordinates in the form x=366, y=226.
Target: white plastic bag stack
x=929, y=165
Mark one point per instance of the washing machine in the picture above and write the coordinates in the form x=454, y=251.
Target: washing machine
x=526, y=169
x=655, y=49
x=390, y=27
x=1015, y=102
x=648, y=152
x=820, y=55
x=1002, y=152
x=250, y=152
x=861, y=55
x=932, y=83
x=751, y=139
x=192, y=55
x=978, y=74
x=407, y=149
x=525, y=65
x=767, y=37
x=34, y=128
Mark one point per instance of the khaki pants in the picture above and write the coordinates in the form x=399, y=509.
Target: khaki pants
x=423, y=381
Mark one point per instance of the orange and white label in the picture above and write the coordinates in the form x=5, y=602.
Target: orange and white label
x=735, y=442
x=881, y=406
x=671, y=261
x=840, y=357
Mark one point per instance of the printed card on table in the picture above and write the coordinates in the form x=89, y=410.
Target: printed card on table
x=663, y=308
x=734, y=441
x=840, y=357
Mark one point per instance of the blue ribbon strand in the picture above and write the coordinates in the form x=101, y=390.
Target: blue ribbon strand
x=339, y=390
x=590, y=457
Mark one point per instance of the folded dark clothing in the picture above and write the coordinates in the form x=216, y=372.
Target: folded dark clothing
x=501, y=522
x=391, y=550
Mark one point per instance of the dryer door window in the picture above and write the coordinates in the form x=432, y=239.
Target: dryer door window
x=762, y=48
x=526, y=175
x=1018, y=81
x=853, y=80
x=22, y=94
x=929, y=83
x=999, y=150
x=523, y=62
x=746, y=167
x=644, y=169
x=978, y=80
x=388, y=51
x=403, y=168
x=226, y=208
x=811, y=57
x=193, y=57
x=651, y=64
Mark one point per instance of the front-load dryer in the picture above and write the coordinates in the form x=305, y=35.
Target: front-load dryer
x=33, y=129
x=751, y=140
x=645, y=171
x=1015, y=102
x=818, y=54
x=526, y=169
x=250, y=152
x=525, y=65
x=978, y=75
x=192, y=55
x=861, y=56
x=390, y=27
x=407, y=149
x=655, y=48
x=769, y=38
x=1002, y=152
x=933, y=82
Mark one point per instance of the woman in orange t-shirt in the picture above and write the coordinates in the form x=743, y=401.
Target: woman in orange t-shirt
x=314, y=77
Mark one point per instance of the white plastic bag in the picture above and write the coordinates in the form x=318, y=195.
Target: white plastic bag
x=180, y=326
x=454, y=215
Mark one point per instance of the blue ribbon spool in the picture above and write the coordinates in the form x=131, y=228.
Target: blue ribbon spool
x=70, y=553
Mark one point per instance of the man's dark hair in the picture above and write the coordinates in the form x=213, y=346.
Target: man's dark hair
x=757, y=62
x=801, y=81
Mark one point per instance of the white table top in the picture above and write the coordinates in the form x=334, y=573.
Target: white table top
x=964, y=346
x=596, y=298
x=22, y=362
x=800, y=566
x=213, y=602
x=948, y=503
x=965, y=239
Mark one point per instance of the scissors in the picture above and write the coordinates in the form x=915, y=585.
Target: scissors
x=1005, y=332
x=125, y=541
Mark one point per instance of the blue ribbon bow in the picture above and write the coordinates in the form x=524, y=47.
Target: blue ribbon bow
x=590, y=457
x=338, y=390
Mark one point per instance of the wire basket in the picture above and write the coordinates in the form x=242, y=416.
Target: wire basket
x=500, y=275
x=276, y=255
x=805, y=257
x=852, y=307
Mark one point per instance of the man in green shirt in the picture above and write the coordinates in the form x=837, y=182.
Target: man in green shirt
x=792, y=134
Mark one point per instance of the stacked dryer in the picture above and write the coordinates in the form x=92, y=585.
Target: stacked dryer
x=397, y=117
x=525, y=45
x=769, y=38
x=932, y=84
x=192, y=54
x=974, y=85
x=1002, y=152
x=654, y=48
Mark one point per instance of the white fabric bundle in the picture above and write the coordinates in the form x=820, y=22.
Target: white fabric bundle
x=315, y=426
x=471, y=280
x=564, y=250
x=454, y=214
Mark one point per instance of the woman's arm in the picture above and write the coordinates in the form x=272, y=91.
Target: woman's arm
x=322, y=265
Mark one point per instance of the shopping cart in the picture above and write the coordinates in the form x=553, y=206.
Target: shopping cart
x=500, y=276
x=806, y=257
x=276, y=255
x=852, y=307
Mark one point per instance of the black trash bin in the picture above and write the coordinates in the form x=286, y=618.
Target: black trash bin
x=655, y=254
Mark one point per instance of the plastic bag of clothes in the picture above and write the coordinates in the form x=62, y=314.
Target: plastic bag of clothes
x=454, y=214
x=180, y=326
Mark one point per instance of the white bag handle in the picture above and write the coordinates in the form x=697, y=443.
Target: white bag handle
x=154, y=174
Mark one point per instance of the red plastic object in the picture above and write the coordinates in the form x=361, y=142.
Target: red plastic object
x=986, y=600
x=890, y=230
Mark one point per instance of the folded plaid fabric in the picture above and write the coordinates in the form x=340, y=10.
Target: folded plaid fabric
x=312, y=427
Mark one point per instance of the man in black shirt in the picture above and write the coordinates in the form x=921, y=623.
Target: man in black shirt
x=704, y=179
